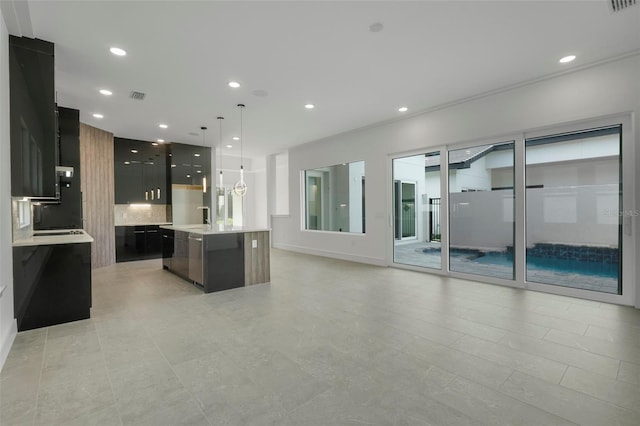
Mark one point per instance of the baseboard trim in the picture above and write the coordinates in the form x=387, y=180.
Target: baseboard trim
x=8, y=342
x=332, y=254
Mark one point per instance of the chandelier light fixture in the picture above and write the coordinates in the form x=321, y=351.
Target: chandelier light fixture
x=221, y=184
x=240, y=188
x=204, y=178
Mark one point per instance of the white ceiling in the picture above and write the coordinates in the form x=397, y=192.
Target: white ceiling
x=182, y=54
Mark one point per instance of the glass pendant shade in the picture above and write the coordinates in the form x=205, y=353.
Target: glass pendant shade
x=240, y=188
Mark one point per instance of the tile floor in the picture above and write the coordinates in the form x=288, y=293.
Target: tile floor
x=326, y=343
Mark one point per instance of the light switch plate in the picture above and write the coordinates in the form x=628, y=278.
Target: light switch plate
x=254, y=243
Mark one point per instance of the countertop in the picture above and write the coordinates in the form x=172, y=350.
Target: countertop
x=143, y=224
x=43, y=240
x=213, y=229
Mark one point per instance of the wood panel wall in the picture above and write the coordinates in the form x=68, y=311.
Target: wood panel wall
x=97, y=186
x=257, y=268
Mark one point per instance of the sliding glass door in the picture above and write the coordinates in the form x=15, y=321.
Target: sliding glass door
x=416, y=210
x=550, y=210
x=481, y=206
x=573, y=200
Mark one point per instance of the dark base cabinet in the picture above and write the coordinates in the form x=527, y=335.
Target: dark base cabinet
x=216, y=262
x=223, y=261
x=52, y=284
x=138, y=243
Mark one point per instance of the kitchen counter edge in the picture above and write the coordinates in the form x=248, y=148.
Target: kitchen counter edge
x=54, y=239
x=214, y=230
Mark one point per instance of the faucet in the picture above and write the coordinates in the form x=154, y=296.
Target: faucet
x=208, y=219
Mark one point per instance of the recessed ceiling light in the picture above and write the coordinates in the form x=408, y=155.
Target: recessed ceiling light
x=106, y=92
x=376, y=27
x=162, y=126
x=234, y=84
x=134, y=151
x=236, y=138
x=188, y=175
x=97, y=115
x=127, y=162
x=403, y=109
x=196, y=155
x=117, y=51
x=309, y=106
x=567, y=59
x=160, y=140
x=229, y=146
x=173, y=165
x=198, y=171
x=154, y=143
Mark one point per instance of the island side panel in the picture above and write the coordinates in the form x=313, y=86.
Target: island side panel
x=223, y=261
x=256, y=259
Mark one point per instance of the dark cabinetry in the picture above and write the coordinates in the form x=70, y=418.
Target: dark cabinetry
x=32, y=117
x=217, y=261
x=52, y=284
x=138, y=242
x=140, y=172
x=190, y=166
x=67, y=213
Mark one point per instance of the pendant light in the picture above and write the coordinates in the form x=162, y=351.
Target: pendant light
x=204, y=178
x=240, y=188
x=221, y=184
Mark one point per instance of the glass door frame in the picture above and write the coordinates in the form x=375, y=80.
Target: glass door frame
x=628, y=243
x=518, y=189
x=444, y=211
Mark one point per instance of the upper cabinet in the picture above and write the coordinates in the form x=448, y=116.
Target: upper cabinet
x=189, y=164
x=33, y=118
x=140, y=172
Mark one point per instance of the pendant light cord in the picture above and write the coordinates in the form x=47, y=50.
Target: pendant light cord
x=241, y=138
x=220, y=142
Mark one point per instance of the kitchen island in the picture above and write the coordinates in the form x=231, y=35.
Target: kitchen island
x=216, y=258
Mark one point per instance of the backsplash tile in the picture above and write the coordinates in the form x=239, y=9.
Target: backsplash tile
x=18, y=232
x=141, y=214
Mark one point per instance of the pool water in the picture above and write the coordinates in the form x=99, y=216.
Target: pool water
x=535, y=263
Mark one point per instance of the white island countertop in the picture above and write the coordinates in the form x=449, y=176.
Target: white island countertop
x=56, y=236
x=213, y=229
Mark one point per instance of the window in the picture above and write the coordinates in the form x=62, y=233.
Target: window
x=335, y=198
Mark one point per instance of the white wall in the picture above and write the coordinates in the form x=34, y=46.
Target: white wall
x=356, y=173
x=8, y=328
x=281, y=183
x=607, y=89
x=476, y=177
x=255, y=176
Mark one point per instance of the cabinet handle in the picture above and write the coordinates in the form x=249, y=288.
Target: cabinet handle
x=155, y=230
x=194, y=238
x=165, y=236
x=138, y=232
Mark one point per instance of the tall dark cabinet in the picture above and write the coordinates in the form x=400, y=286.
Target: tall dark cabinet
x=67, y=213
x=189, y=165
x=140, y=172
x=32, y=117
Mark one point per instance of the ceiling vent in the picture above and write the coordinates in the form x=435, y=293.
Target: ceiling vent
x=618, y=5
x=139, y=96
